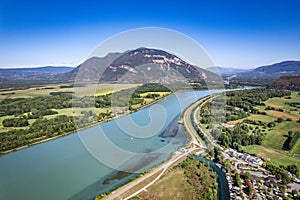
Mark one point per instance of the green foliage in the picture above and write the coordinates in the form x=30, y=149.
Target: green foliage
x=15, y=122
x=153, y=95
x=241, y=104
x=200, y=177
x=38, y=105
x=279, y=172
x=247, y=176
x=44, y=128
x=291, y=140
x=279, y=120
x=238, y=181
x=293, y=169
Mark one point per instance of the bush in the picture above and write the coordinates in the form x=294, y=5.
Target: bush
x=15, y=122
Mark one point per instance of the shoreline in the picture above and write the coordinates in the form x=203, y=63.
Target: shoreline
x=192, y=139
x=86, y=127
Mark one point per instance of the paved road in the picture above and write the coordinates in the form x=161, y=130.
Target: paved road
x=115, y=194
x=195, y=139
x=197, y=122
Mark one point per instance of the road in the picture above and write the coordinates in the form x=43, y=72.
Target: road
x=188, y=124
x=117, y=193
x=195, y=140
x=195, y=118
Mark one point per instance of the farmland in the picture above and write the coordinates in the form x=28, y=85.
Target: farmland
x=260, y=122
x=40, y=113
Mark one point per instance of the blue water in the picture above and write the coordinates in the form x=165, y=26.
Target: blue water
x=223, y=188
x=75, y=166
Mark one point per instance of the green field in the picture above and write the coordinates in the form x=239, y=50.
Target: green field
x=277, y=157
x=45, y=90
x=31, y=111
x=271, y=148
x=99, y=89
x=193, y=181
x=160, y=93
x=105, y=89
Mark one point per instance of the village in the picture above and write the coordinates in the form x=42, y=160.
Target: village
x=248, y=179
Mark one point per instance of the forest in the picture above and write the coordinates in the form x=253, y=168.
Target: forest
x=19, y=113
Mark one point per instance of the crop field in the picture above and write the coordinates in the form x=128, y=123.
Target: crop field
x=276, y=136
x=277, y=157
x=160, y=93
x=100, y=89
x=45, y=90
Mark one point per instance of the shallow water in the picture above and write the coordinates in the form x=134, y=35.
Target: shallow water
x=75, y=166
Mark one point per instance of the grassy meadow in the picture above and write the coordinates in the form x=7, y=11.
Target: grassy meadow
x=271, y=148
x=45, y=90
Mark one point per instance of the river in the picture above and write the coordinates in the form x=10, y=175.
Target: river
x=72, y=167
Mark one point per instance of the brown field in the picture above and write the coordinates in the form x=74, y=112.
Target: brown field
x=282, y=114
x=234, y=122
x=274, y=105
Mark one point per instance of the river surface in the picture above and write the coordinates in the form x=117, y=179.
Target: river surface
x=75, y=166
x=223, y=188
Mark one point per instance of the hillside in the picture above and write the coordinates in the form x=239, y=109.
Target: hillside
x=287, y=83
x=89, y=70
x=286, y=68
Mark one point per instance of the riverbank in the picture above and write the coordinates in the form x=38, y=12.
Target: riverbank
x=47, y=139
x=194, y=146
x=67, y=159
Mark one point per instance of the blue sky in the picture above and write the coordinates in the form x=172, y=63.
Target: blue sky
x=243, y=34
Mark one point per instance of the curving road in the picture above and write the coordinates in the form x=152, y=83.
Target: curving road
x=198, y=144
x=117, y=193
x=195, y=140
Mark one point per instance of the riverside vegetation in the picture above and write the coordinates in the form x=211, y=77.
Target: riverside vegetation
x=190, y=179
x=28, y=120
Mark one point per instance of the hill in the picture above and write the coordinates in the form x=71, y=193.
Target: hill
x=287, y=83
x=266, y=75
x=286, y=68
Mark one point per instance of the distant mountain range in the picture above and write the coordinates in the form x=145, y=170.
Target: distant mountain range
x=274, y=71
x=147, y=65
x=286, y=68
x=38, y=73
x=224, y=71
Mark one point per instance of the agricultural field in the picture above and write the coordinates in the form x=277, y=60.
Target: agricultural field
x=49, y=111
x=44, y=90
x=259, y=121
x=275, y=137
x=276, y=157
x=161, y=94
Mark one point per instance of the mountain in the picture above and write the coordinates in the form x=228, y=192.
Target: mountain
x=139, y=66
x=38, y=73
x=287, y=83
x=286, y=68
x=224, y=71
x=91, y=69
